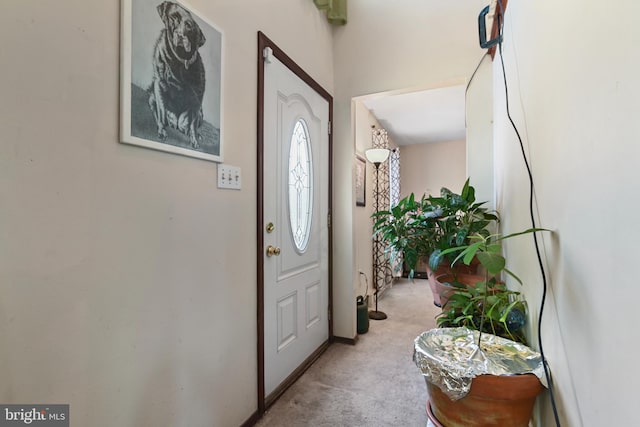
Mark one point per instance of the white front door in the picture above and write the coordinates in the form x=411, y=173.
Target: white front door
x=296, y=179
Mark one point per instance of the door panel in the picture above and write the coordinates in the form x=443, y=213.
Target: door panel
x=287, y=320
x=296, y=201
x=313, y=304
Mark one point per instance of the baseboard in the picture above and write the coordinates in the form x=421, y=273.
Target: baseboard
x=251, y=421
x=416, y=275
x=342, y=340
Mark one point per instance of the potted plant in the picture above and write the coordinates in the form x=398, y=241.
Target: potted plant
x=486, y=351
x=469, y=388
x=487, y=305
x=409, y=230
x=504, y=309
x=427, y=228
x=460, y=218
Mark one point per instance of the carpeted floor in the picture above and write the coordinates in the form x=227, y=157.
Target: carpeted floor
x=375, y=382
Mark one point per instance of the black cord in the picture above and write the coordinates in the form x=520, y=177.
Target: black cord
x=474, y=73
x=466, y=89
x=533, y=221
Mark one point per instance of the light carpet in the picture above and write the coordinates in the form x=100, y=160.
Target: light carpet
x=373, y=383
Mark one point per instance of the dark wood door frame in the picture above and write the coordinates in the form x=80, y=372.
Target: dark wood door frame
x=264, y=42
x=498, y=19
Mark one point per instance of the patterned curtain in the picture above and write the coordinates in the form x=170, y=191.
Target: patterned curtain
x=394, y=177
x=394, y=198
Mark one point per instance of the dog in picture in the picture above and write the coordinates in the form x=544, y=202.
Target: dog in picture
x=177, y=86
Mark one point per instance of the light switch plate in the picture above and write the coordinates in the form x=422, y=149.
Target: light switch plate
x=229, y=177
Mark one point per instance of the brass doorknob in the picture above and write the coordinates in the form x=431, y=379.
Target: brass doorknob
x=272, y=250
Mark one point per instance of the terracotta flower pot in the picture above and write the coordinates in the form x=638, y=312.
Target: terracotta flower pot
x=444, y=268
x=431, y=275
x=444, y=288
x=492, y=401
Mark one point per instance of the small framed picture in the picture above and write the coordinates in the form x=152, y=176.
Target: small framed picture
x=171, y=79
x=361, y=179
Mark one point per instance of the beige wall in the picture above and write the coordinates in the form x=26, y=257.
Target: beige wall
x=574, y=96
x=127, y=279
x=426, y=168
x=362, y=214
x=479, y=118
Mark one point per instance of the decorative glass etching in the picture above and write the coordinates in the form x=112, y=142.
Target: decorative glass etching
x=300, y=185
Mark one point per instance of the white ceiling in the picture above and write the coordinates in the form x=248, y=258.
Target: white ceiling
x=435, y=115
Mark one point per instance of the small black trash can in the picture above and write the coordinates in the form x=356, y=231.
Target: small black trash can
x=363, y=315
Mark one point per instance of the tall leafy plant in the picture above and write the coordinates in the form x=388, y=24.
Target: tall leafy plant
x=489, y=306
x=461, y=217
x=409, y=229
x=429, y=226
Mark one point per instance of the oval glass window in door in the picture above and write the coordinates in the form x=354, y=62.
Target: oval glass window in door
x=300, y=186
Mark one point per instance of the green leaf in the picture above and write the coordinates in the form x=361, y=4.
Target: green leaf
x=512, y=274
x=470, y=252
x=434, y=259
x=471, y=195
x=459, y=319
x=411, y=257
x=465, y=189
x=475, y=206
x=432, y=213
x=527, y=231
x=493, y=262
x=492, y=300
x=457, y=200
x=494, y=247
x=461, y=236
x=397, y=211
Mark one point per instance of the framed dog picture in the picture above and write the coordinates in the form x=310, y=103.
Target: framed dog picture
x=171, y=79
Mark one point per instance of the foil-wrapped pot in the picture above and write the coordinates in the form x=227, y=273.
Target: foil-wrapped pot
x=450, y=358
